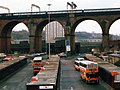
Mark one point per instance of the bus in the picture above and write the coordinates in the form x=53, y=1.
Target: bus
x=89, y=71
x=77, y=63
x=37, y=64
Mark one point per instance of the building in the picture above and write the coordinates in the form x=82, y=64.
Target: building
x=86, y=45
x=53, y=30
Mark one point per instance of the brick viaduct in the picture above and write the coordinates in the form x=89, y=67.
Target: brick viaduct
x=69, y=19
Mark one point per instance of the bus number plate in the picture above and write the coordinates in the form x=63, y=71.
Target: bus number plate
x=45, y=87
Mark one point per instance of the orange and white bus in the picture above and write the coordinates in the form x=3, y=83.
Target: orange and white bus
x=37, y=64
x=77, y=63
x=89, y=71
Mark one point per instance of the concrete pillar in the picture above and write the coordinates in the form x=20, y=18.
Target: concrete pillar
x=32, y=29
x=72, y=43
x=105, y=42
x=105, y=34
x=8, y=44
x=67, y=37
x=5, y=44
x=0, y=44
x=72, y=20
x=32, y=43
x=67, y=33
x=38, y=44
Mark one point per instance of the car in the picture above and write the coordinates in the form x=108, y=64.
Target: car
x=2, y=55
x=62, y=54
x=116, y=52
x=8, y=58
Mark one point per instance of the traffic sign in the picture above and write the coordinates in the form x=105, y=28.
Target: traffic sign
x=67, y=43
x=68, y=48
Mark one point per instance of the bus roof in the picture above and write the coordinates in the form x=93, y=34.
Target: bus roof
x=87, y=62
x=37, y=58
x=80, y=59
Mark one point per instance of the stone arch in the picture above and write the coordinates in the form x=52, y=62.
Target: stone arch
x=72, y=33
x=112, y=22
x=5, y=41
x=38, y=33
x=114, y=37
x=81, y=20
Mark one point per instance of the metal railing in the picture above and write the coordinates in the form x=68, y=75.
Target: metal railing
x=61, y=12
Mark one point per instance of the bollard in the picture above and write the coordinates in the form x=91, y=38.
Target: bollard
x=47, y=62
x=34, y=79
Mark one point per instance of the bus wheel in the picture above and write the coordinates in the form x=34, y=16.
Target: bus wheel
x=35, y=73
x=81, y=78
x=87, y=81
x=97, y=82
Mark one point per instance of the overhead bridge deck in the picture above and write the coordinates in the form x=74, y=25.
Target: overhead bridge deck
x=108, y=72
x=61, y=13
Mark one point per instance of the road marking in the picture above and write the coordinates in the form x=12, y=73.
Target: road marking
x=5, y=87
x=71, y=88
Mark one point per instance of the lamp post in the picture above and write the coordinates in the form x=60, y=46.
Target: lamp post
x=49, y=26
x=33, y=5
x=5, y=8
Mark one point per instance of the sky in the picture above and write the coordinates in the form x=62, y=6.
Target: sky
x=25, y=6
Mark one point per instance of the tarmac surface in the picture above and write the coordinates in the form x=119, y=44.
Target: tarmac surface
x=70, y=79
x=18, y=80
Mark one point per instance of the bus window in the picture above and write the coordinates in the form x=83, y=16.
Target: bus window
x=76, y=65
x=92, y=66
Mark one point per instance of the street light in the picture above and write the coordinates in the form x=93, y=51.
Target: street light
x=5, y=8
x=33, y=5
x=49, y=26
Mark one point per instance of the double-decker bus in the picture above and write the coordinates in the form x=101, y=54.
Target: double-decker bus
x=37, y=64
x=89, y=71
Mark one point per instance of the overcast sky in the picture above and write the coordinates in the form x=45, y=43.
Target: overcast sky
x=25, y=6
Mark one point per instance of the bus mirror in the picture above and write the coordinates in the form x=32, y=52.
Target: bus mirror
x=114, y=73
x=94, y=60
x=47, y=62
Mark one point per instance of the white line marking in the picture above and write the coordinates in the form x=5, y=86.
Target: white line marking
x=71, y=88
x=5, y=87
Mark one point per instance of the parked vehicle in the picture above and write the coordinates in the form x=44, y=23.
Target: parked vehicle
x=2, y=55
x=37, y=64
x=89, y=71
x=77, y=63
x=8, y=58
x=62, y=54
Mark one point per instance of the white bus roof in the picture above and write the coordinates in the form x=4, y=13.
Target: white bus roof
x=78, y=61
x=37, y=58
x=80, y=58
x=87, y=62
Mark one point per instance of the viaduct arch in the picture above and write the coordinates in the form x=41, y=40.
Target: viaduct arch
x=69, y=20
